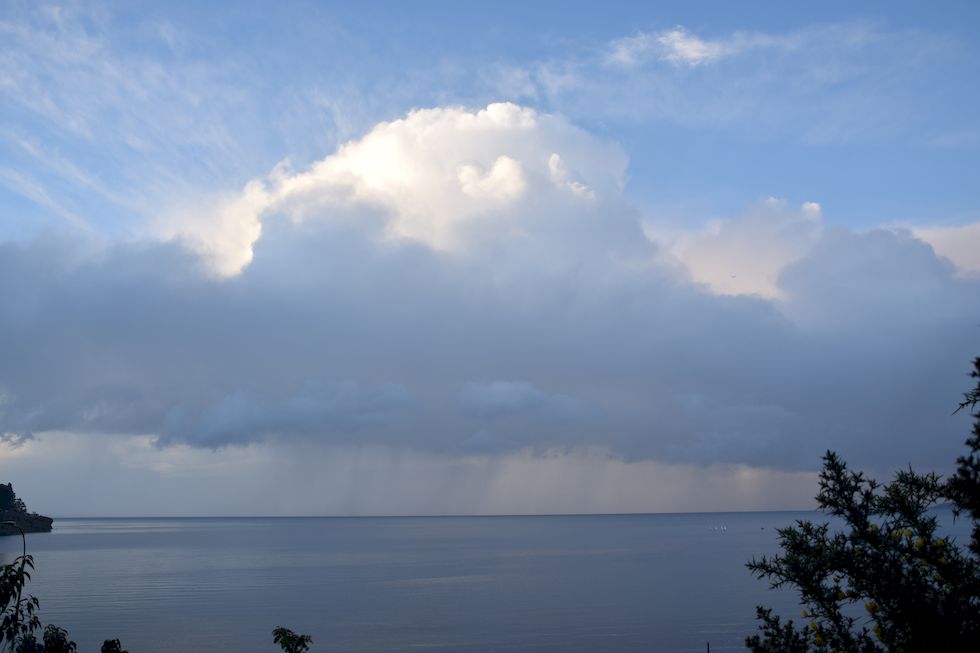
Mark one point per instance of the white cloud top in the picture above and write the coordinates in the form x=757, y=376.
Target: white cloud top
x=746, y=255
x=960, y=244
x=433, y=174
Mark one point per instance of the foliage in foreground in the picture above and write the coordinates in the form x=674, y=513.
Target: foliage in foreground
x=290, y=642
x=913, y=590
x=19, y=621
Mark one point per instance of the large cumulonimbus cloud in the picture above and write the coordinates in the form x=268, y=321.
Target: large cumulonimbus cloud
x=474, y=282
x=448, y=178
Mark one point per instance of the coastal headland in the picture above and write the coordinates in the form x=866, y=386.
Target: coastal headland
x=13, y=509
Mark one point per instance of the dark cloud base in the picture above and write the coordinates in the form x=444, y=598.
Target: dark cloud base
x=334, y=336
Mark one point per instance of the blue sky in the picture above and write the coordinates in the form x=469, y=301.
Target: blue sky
x=495, y=242
x=870, y=112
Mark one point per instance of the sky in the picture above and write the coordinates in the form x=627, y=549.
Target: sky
x=304, y=258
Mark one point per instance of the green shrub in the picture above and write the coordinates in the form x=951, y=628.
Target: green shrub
x=290, y=642
x=916, y=590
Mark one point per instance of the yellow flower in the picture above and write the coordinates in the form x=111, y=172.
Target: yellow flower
x=818, y=640
x=876, y=629
x=943, y=560
x=814, y=626
x=805, y=614
x=841, y=596
x=874, y=528
x=919, y=543
x=939, y=541
x=870, y=606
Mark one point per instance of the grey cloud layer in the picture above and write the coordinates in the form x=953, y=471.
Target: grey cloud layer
x=333, y=335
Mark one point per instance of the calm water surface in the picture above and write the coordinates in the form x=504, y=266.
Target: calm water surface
x=582, y=583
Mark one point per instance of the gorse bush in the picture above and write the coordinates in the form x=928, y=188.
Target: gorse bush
x=913, y=589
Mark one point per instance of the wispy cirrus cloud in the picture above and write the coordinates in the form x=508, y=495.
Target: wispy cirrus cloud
x=25, y=185
x=680, y=46
x=677, y=45
x=820, y=84
x=115, y=130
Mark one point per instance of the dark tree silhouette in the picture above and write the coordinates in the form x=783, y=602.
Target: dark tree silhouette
x=54, y=640
x=290, y=642
x=14, y=516
x=917, y=590
x=112, y=646
x=7, y=496
x=964, y=486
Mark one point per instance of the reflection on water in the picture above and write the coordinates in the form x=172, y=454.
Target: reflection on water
x=583, y=583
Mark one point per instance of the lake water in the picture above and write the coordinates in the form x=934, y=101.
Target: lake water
x=558, y=583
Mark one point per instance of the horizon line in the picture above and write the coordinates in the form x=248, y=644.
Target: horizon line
x=448, y=515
